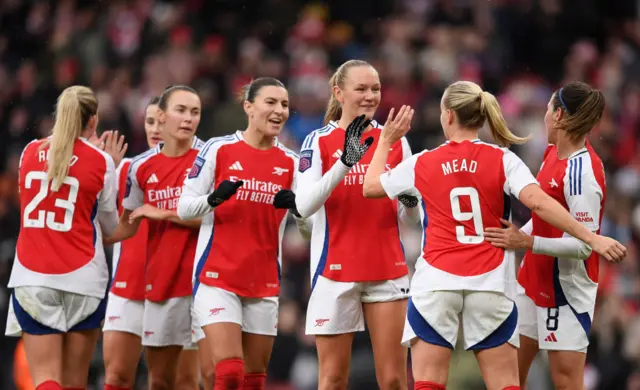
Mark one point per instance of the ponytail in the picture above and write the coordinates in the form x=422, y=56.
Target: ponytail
x=334, y=110
x=75, y=106
x=499, y=129
x=583, y=106
x=473, y=107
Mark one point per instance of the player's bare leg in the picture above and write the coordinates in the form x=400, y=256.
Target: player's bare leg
x=225, y=343
x=499, y=366
x=44, y=356
x=567, y=369
x=188, y=370
x=385, y=321
x=334, y=358
x=257, y=352
x=207, y=372
x=430, y=363
x=526, y=354
x=78, y=348
x=163, y=366
x=121, y=352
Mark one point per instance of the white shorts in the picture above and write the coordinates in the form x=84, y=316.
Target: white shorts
x=254, y=315
x=43, y=310
x=336, y=307
x=124, y=315
x=489, y=319
x=169, y=323
x=127, y=315
x=555, y=328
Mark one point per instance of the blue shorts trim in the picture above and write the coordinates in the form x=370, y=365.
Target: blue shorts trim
x=422, y=329
x=502, y=334
x=31, y=326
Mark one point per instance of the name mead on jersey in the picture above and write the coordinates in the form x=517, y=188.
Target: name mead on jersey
x=459, y=165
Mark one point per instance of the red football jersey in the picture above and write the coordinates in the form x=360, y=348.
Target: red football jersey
x=156, y=179
x=239, y=247
x=60, y=240
x=354, y=239
x=130, y=255
x=464, y=188
x=577, y=183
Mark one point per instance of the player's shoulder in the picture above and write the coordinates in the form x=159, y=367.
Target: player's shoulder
x=313, y=138
x=197, y=143
x=31, y=149
x=214, y=144
x=93, y=154
x=286, y=151
x=584, y=167
x=144, y=158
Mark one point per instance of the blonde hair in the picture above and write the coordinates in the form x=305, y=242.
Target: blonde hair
x=75, y=106
x=473, y=107
x=584, y=106
x=334, y=111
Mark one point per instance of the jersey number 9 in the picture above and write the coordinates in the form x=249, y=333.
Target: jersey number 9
x=475, y=214
x=47, y=217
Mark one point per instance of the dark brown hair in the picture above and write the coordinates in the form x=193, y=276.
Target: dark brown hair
x=583, y=106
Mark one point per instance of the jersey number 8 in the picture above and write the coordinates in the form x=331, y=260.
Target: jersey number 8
x=47, y=217
x=475, y=214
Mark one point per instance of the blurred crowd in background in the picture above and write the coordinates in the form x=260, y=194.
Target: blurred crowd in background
x=520, y=50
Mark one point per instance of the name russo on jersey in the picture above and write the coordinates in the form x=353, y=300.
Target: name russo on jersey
x=255, y=190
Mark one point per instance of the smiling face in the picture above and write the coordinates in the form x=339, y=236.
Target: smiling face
x=151, y=125
x=269, y=110
x=182, y=116
x=360, y=92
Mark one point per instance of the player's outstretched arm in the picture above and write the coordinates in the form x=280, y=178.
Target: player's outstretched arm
x=151, y=212
x=125, y=229
x=314, y=188
x=512, y=238
x=552, y=212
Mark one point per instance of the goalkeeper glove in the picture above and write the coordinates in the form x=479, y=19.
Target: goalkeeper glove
x=353, y=149
x=225, y=190
x=409, y=201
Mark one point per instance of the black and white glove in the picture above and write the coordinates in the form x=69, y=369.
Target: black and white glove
x=409, y=201
x=225, y=190
x=286, y=199
x=353, y=149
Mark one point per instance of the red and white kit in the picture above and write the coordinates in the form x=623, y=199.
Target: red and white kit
x=157, y=179
x=559, y=277
x=464, y=188
x=356, y=253
x=239, y=256
x=60, y=272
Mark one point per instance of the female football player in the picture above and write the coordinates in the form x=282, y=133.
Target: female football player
x=60, y=274
x=559, y=274
x=359, y=273
x=241, y=186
